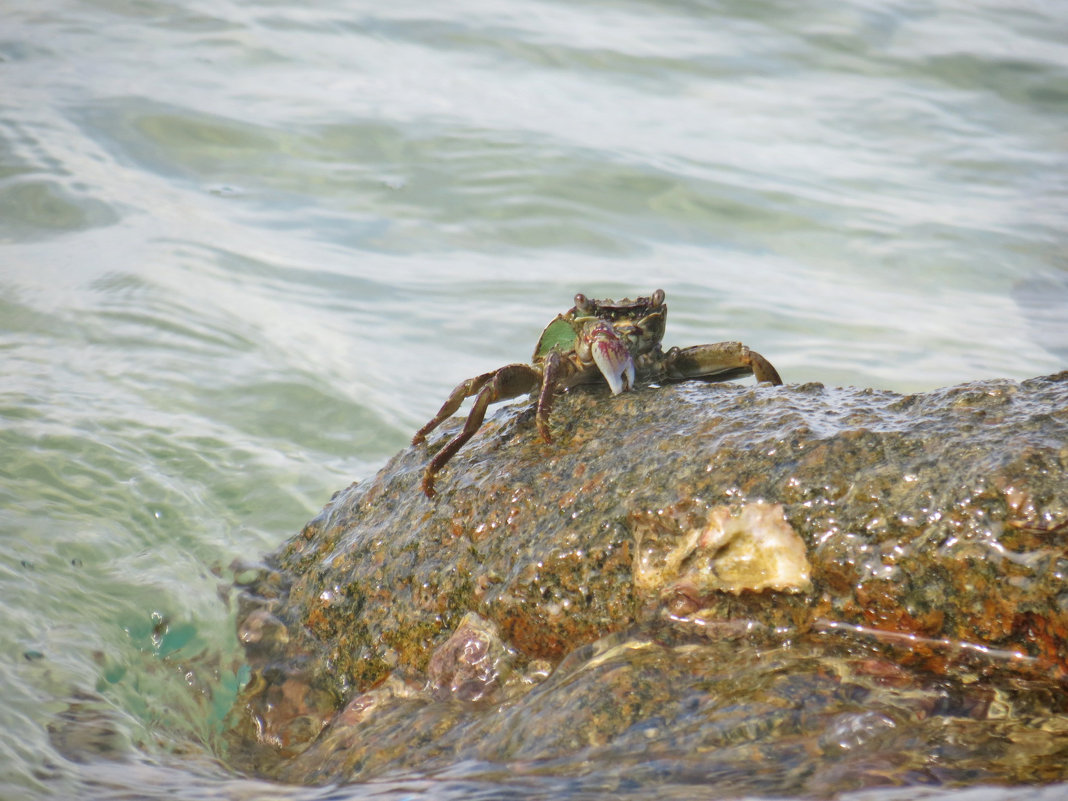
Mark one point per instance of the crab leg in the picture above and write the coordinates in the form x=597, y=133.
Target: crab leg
x=763, y=370
x=557, y=371
x=508, y=382
x=465, y=390
x=721, y=361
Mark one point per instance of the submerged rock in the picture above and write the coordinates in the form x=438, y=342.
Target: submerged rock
x=850, y=587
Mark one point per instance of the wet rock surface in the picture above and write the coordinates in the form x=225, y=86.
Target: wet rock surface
x=777, y=590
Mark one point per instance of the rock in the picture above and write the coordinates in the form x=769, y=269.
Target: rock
x=852, y=587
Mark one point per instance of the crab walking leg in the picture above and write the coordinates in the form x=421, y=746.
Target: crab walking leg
x=556, y=367
x=471, y=386
x=508, y=382
x=763, y=370
x=721, y=361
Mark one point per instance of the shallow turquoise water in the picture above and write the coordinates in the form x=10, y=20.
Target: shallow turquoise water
x=246, y=249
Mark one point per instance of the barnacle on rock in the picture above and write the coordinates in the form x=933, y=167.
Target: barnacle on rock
x=751, y=547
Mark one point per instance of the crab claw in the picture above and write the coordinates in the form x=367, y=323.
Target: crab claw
x=611, y=356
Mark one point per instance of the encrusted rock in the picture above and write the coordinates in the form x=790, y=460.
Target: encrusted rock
x=866, y=553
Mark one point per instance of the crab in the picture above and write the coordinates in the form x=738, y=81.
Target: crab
x=618, y=342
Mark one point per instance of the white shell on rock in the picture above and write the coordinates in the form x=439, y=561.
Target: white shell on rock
x=751, y=547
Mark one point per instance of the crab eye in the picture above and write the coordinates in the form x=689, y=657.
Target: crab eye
x=658, y=297
x=581, y=303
